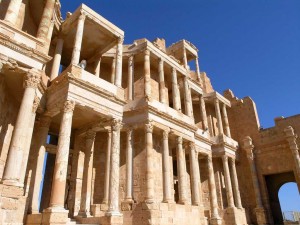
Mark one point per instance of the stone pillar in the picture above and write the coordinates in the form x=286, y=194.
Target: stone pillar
x=12, y=172
x=215, y=218
x=166, y=169
x=197, y=68
x=86, y=189
x=57, y=199
x=57, y=58
x=113, y=71
x=181, y=168
x=12, y=12
x=187, y=98
x=195, y=174
x=235, y=183
x=147, y=74
x=185, y=62
x=129, y=167
x=40, y=146
x=97, y=67
x=107, y=168
x=228, y=185
x=130, y=77
x=114, y=181
x=119, y=58
x=149, y=163
x=45, y=22
x=175, y=91
x=161, y=74
x=78, y=40
x=218, y=115
x=203, y=112
x=226, y=123
x=292, y=140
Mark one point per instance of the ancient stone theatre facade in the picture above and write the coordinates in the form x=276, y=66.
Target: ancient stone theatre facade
x=128, y=134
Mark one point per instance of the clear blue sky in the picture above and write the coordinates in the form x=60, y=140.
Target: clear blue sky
x=249, y=46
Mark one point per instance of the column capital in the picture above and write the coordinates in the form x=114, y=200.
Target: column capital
x=216, y=101
x=179, y=140
x=36, y=103
x=160, y=61
x=166, y=134
x=174, y=71
x=31, y=80
x=147, y=52
x=116, y=124
x=232, y=160
x=225, y=158
x=209, y=159
x=90, y=134
x=149, y=127
x=192, y=146
x=69, y=106
x=82, y=15
x=131, y=57
x=120, y=40
x=129, y=131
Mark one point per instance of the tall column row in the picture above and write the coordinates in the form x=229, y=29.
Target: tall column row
x=219, y=118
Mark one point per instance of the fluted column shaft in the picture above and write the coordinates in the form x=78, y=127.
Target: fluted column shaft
x=166, y=169
x=175, y=91
x=212, y=187
x=40, y=146
x=130, y=77
x=12, y=12
x=195, y=174
x=17, y=148
x=185, y=62
x=149, y=163
x=119, y=60
x=203, y=112
x=161, y=76
x=197, y=68
x=181, y=168
x=114, y=181
x=107, y=168
x=147, y=73
x=218, y=115
x=228, y=185
x=226, y=123
x=113, y=70
x=57, y=59
x=235, y=184
x=86, y=190
x=62, y=156
x=97, y=67
x=187, y=98
x=45, y=22
x=78, y=40
x=129, y=166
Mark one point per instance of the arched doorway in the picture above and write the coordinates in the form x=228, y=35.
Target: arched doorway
x=289, y=199
x=274, y=182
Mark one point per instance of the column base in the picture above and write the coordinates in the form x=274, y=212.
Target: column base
x=215, y=221
x=83, y=214
x=127, y=205
x=55, y=216
x=261, y=216
x=12, y=183
x=113, y=218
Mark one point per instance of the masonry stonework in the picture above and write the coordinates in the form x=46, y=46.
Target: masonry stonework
x=128, y=134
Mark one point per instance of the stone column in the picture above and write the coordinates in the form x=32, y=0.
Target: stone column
x=12, y=12
x=213, y=192
x=107, y=168
x=175, y=91
x=248, y=147
x=292, y=140
x=12, y=172
x=181, y=168
x=185, y=62
x=78, y=39
x=114, y=181
x=62, y=156
x=113, y=71
x=129, y=167
x=203, y=112
x=130, y=77
x=226, y=123
x=119, y=59
x=40, y=146
x=166, y=169
x=45, y=22
x=147, y=74
x=162, y=85
x=57, y=58
x=149, y=163
x=228, y=185
x=97, y=67
x=187, y=98
x=195, y=174
x=197, y=68
x=218, y=115
x=86, y=189
x=235, y=183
